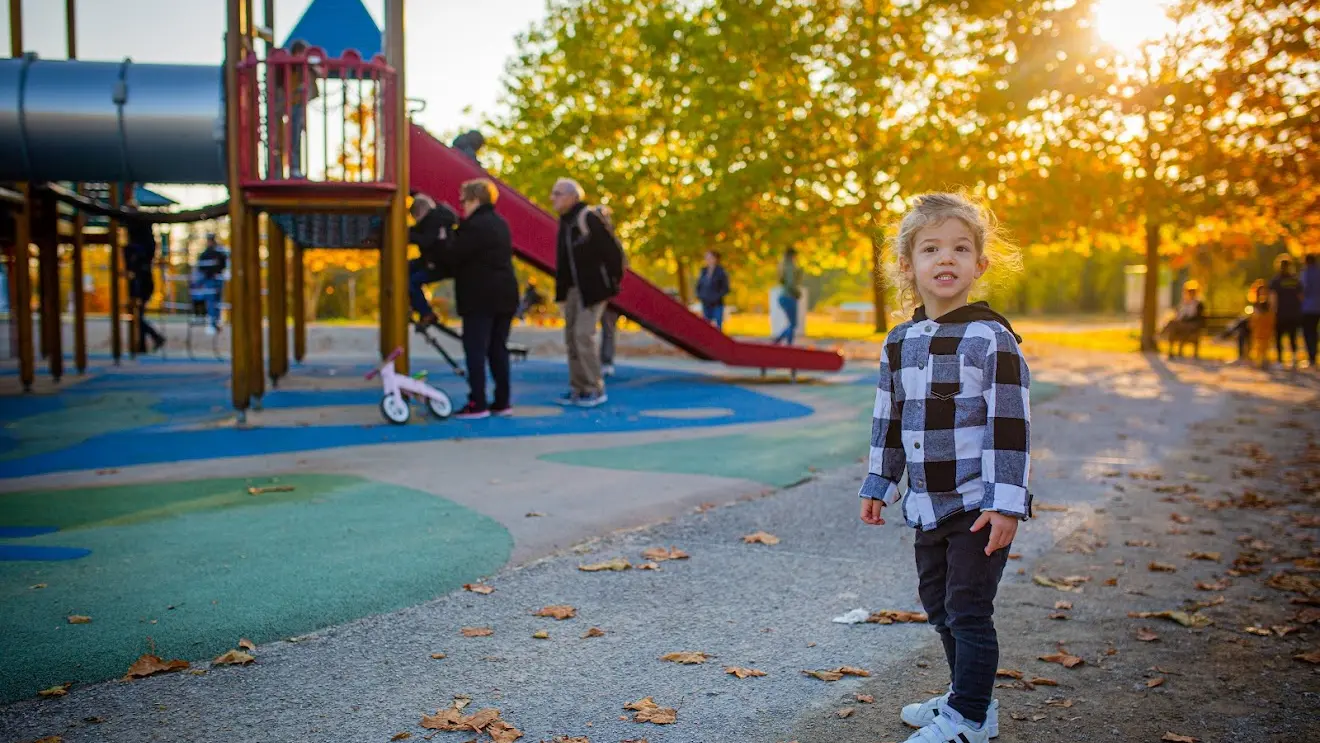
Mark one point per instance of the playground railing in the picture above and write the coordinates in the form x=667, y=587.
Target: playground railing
x=307, y=117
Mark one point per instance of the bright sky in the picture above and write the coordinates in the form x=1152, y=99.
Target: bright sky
x=456, y=51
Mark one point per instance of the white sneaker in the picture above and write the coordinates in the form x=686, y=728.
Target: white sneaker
x=921, y=714
x=210, y=330
x=607, y=370
x=944, y=730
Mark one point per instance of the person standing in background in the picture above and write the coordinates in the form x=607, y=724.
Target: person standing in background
x=1311, y=306
x=790, y=293
x=209, y=280
x=712, y=288
x=139, y=258
x=1286, y=304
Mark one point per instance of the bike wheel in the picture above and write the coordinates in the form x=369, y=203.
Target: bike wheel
x=395, y=409
x=441, y=407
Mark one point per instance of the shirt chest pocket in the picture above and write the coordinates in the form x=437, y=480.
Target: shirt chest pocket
x=944, y=376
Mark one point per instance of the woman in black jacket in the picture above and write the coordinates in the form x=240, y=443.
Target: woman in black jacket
x=486, y=292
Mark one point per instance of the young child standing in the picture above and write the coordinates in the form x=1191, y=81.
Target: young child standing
x=952, y=409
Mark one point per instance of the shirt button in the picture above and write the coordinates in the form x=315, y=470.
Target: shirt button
x=916, y=445
x=928, y=330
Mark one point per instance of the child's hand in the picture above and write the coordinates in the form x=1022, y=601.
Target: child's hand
x=1002, y=529
x=871, y=511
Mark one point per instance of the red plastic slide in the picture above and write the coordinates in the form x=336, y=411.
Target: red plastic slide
x=438, y=170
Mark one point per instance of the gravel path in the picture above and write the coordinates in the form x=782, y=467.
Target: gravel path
x=748, y=605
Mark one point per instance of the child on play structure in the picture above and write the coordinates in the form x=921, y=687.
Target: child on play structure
x=952, y=409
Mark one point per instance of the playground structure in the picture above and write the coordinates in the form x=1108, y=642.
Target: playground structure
x=246, y=125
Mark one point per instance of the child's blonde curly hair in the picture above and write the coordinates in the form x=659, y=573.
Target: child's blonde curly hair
x=934, y=209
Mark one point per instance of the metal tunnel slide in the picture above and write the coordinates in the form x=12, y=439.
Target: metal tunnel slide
x=439, y=171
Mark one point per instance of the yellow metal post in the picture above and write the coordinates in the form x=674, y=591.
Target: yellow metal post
x=277, y=283
x=394, y=248
x=298, y=302
x=112, y=246
x=239, y=245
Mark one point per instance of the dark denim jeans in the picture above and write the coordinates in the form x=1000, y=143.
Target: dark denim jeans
x=957, y=586
x=419, y=276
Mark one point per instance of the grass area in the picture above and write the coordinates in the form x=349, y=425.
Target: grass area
x=1120, y=340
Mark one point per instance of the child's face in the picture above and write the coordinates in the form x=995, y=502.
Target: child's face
x=945, y=263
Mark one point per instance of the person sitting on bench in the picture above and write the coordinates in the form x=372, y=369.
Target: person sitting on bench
x=434, y=227
x=1186, y=327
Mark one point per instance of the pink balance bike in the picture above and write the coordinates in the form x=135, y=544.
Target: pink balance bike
x=402, y=390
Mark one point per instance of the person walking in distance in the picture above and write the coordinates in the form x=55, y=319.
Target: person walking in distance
x=486, y=294
x=952, y=408
x=139, y=259
x=588, y=273
x=712, y=288
x=790, y=292
x=1286, y=302
x=1311, y=306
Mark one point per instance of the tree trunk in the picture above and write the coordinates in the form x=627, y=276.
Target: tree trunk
x=684, y=287
x=878, y=285
x=1150, y=299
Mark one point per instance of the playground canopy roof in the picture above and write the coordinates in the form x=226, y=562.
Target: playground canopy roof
x=337, y=26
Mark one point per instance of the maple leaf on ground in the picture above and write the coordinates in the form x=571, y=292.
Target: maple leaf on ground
x=685, y=658
x=1139, y=543
x=149, y=664
x=1179, y=518
x=890, y=616
x=761, y=537
x=1161, y=567
x=56, y=691
x=1071, y=583
x=1157, y=681
x=1294, y=583
x=648, y=566
x=825, y=675
x=1260, y=631
x=480, y=588
x=1176, y=738
x=246, y=644
x=477, y=631
x=438, y=656
x=660, y=554
x=79, y=619
x=1181, y=617
x=1064, y=659
x=558, y=611
x=401, y=736
x=648, y=711
x=1059, y=615
x=502, y=732
x=1146, y=635
x=593, y=632
x=1008, y=673
x=615, y=564
x=743, y=673
x=1063, y=605
x=1042, y=681
x=233, y=658
x=846, y=712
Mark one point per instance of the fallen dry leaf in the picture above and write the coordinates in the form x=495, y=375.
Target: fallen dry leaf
x=660, y=554
x=149, y=664
x=648, y=711
x=846, y=712
x=864, y=698
x=1042, y=681
x=1063, y=605
x=1218, y=585
x=477, y=631
x=401, y=736
x=480, y=588
x=593, y=632
x=1294, y=583
x=540, y=635
x=1311, y=657
x=233, y=658
x=270, y=489
x=1308, y=616
x=1139, y=543
x=1175, y=738
x=1181, y=519
x=502, y=732
x=246, y=644
x=1008, y=673
x=38, y=586
x=825, y=675
x=1211, y=556
x=889, y=616
x=559, y=611
x=761, y=537
x=1146, y=635
x=648, y=566
x=1283, y=630
x=1059, y=615
x=615, y=564
x=743, y=673
x=1059, y=702
x=1071, y=583
x=1181, y=617
x=1047, y=507
x=1161, y=567
x=79, y=619
x=533, y=515
x=685, y=658
x=56, y=691
x=1157, y=681
x=438, y=656
x=1260, y=631
x=1064, y=659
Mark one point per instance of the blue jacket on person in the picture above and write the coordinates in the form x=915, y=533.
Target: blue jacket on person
x=1311, y=289
x=712, y=286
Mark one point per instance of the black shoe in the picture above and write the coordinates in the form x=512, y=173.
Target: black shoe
x=471, y=412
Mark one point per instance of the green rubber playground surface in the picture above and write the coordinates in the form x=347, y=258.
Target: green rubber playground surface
x=778, y=458
x=187, y=568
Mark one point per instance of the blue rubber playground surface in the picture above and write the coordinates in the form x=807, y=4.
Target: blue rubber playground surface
x=177, y=411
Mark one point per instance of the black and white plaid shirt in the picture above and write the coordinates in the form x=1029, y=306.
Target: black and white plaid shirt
x=953, y=408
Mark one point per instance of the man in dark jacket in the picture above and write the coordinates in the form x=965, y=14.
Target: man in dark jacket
x=588, y=271
x=486, y=292
x=139, y=257
x=431, y=232
x=712, y=288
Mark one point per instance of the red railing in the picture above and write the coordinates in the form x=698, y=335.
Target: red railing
x=309, y=118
